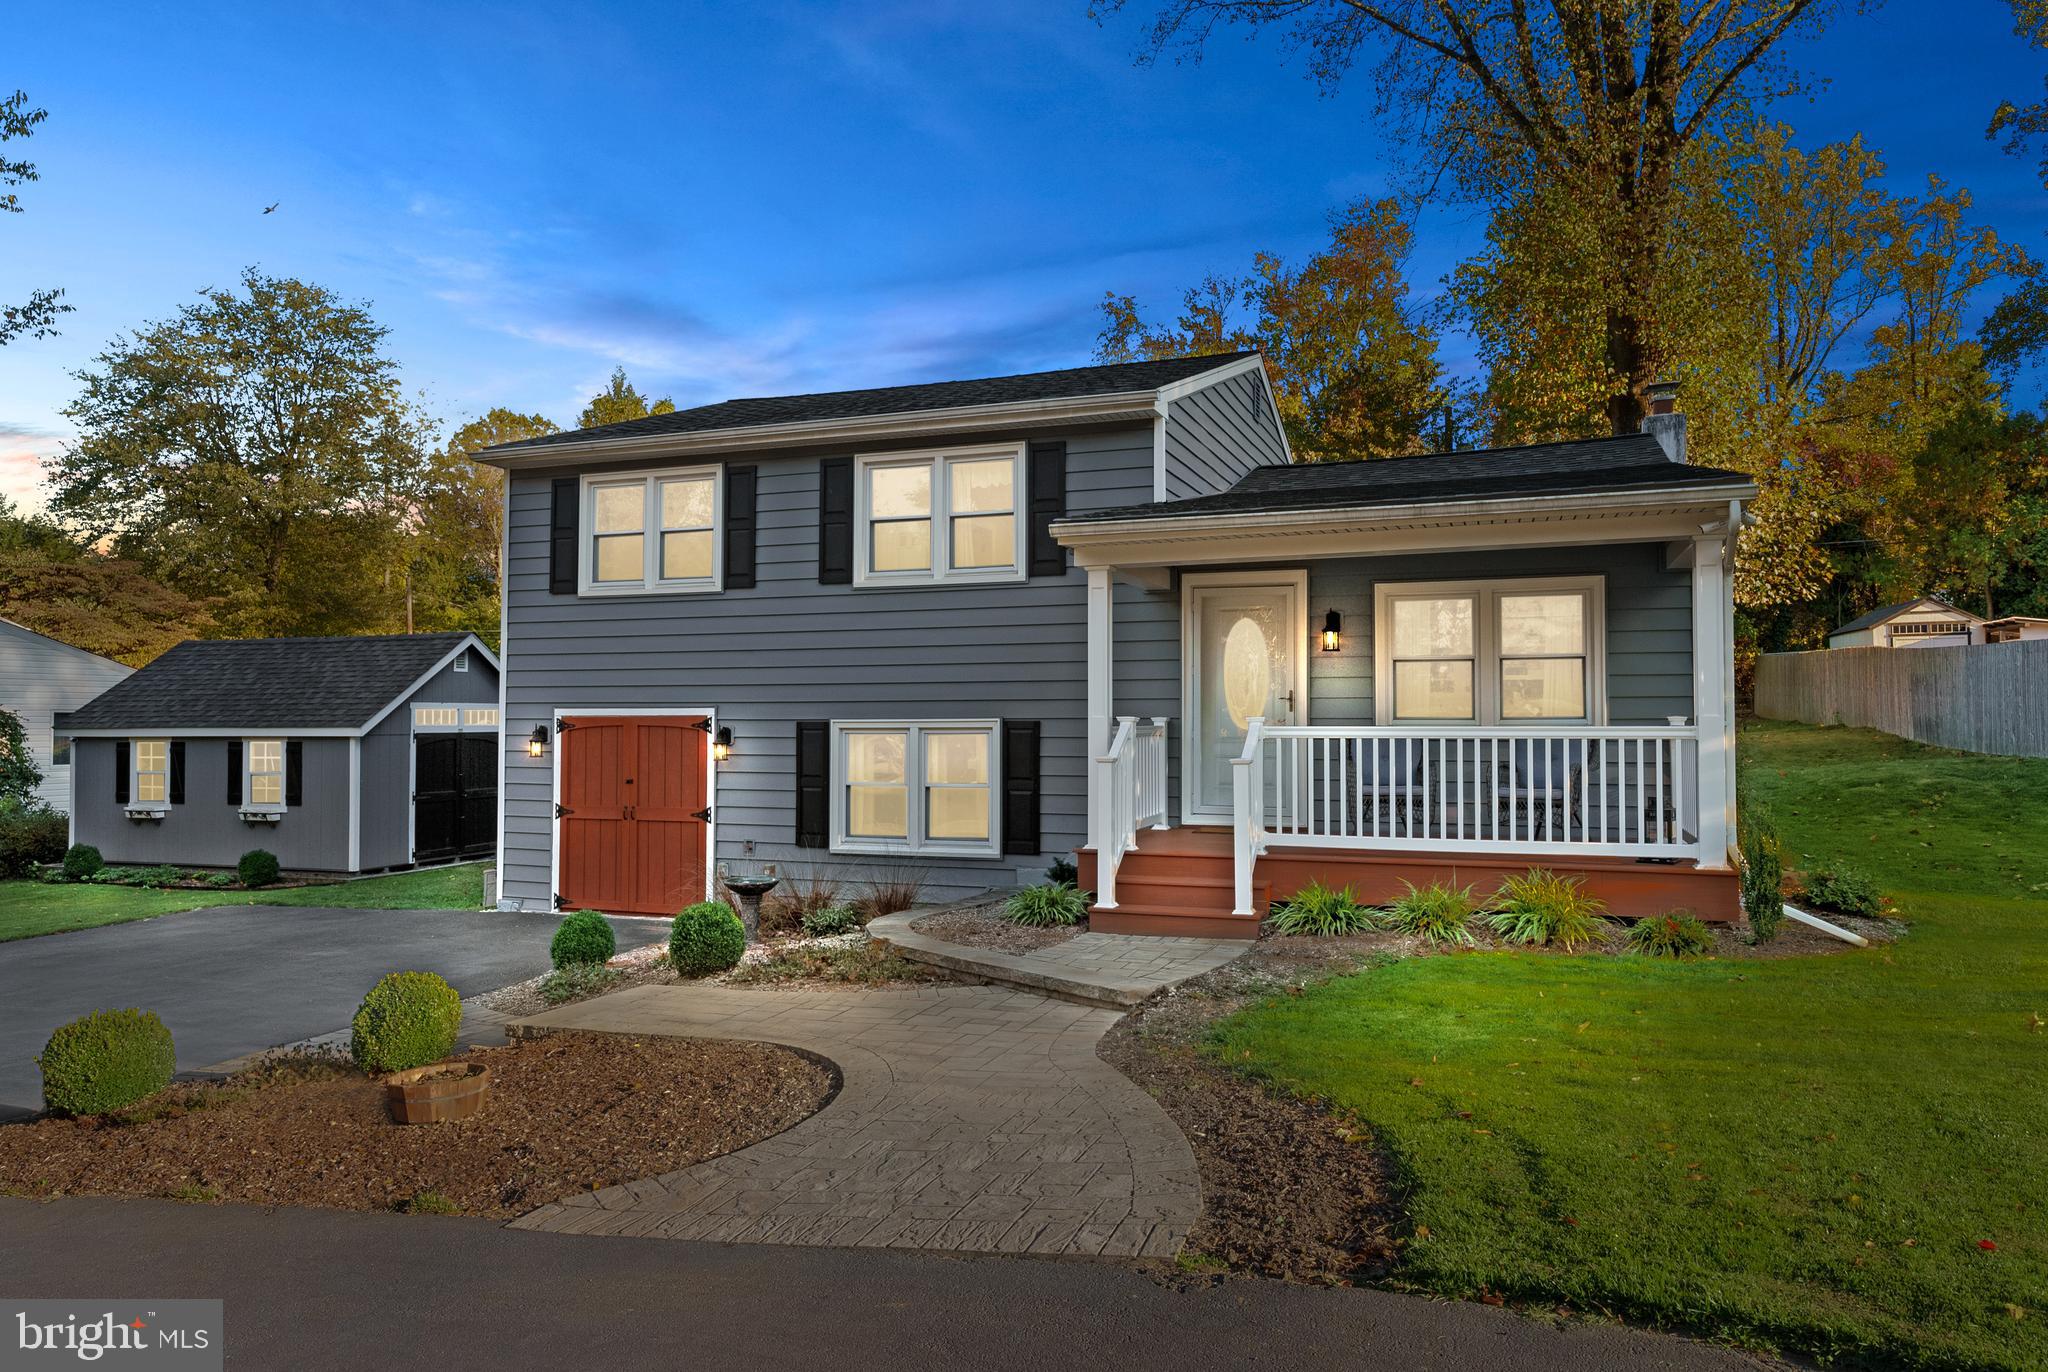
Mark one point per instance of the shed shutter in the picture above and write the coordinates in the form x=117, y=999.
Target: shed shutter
x=234, y=771
x=120, y=771
x=294, y=771
x=813, y=783
x=835, y=521
x=1047, y=479
x=562, y=537
x=1020, y=786
x=175, y=790
x=739, y=527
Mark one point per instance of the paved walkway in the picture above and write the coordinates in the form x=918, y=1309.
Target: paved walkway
x=972, y=1119
x=1113, y=970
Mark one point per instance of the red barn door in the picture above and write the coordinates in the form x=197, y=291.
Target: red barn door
x=634, y=827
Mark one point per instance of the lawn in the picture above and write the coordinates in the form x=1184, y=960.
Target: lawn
x=28, y=908
x=1836, y=1156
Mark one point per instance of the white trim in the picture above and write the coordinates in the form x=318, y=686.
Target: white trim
x=651, y=531
x=915, y=844
x=179, y=731
x=1486, y=593
x=505, y=644
x=468, y=642
x=555, y=792
x=1188, y=385
x=355, y=805
x=1101, y=683
x=939, y=462
x=1294, y=580
x=1159, y=452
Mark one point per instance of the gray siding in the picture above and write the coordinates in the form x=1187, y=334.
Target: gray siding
x=205, y=831
x=1217, y=434
x=387, y=761
x=38, y=678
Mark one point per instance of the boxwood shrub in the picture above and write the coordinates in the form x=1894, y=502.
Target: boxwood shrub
x=409, y=1019
x=81, y=861
x=707, y=937
x=583, y=936
x=105, y=1061
x=257, y=868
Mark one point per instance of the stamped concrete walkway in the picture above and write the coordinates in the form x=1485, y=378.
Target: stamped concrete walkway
x=970, y=1119
x=1114, y=970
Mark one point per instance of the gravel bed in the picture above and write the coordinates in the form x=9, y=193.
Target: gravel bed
x=980, y=924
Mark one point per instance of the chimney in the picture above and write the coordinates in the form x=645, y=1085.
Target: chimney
x=1663, y=422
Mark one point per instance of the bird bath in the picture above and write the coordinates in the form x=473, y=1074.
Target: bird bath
x=748, y=888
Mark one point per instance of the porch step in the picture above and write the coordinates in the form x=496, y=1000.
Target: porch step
x=1173, y=921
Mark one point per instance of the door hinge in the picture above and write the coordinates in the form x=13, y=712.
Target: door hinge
x=703, y=814
x=560, y=904
x=565, y=726
x=702, y=726
x=561, y=809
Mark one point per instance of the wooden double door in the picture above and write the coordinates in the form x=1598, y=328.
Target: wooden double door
x=634, y=817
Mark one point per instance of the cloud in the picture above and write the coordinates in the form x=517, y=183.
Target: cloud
x=23, y=449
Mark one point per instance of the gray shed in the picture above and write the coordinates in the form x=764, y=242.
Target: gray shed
x=335, y=754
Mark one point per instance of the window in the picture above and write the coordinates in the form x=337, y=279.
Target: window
x=949, y=516
x=60, y=750
x=657, y=532
x=1491, y=652
x=264, y=759
x=152, y=772
x=915, y=788
x=480, y=716
x=435, y=716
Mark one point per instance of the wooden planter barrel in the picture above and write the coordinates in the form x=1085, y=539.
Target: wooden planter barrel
x=437, y=1093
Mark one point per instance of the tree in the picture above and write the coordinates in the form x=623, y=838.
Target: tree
x=38, y=316
x=458, y=527
x=79, y=596
x=619, y=402
x=1353, y=368
x=19, y=775
x=256, y=447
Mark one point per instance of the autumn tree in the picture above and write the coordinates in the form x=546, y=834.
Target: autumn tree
x=620, y=401
x=78, y=595
x=457, y=529
x=37, y=316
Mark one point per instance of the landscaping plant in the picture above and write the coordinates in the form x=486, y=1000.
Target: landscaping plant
x=1542, y=907
x=1438, y=914
x=1063, y=869
x=575, y=980
x=891, y=892
x=107, y=1060
x=1843, y=890
x=30, y=836
x=1763, y=876
x=1317, y=911
x=707, y=937
x=1678, y=934
x=257, y=868
x=81, y=860
x=584, y=936
x=408, y=1020
x=1042, y=907
x=831, y=920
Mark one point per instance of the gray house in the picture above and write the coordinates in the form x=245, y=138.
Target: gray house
x=335, y=754
x=954, y=631
x=39, y=677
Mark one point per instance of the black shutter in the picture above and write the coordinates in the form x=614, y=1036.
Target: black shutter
x=562, y=538
x=120, y=771
x=1020, y=786
x=739, y=527
x=176, y=787
x=813, y=783
x=294, y=772
x=235, y=771
x=1047, y=484
x=835, y=521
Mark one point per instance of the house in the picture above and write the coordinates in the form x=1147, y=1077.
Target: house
x=2015, y=629
x=1923, y=623
x=40, y=676
x=950, y=632
x=334, y=754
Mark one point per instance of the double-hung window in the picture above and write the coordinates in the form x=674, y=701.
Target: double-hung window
x=653, y=531
x=152, y=782
x=948, y=515
x=1504, y=652
x=915, y=788
x=264, y=759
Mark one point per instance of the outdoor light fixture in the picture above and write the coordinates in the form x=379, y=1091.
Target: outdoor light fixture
x=721, y=745
x=537, y=741
x=1333, y=624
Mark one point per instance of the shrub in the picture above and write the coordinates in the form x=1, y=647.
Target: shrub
x=798, y=897
x=575, y=980
x=833, y=919
x=1437, y=913
x=1676, y=935
x=1043, y=907
x=258, y=868
x=81, y=860
x=1543, y=907
x=221, y=880
x=1318, y=911
x=583, y=936
x=428, y=1203
x=891, y=892
x=1063, y=869
x=157, y=877
x=107, y=1060
x=30, y=836
x=707, y=937
x=1843, y=890
x=1763, y=877
x=409, y=1019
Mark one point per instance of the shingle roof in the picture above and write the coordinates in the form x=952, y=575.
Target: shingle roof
x=1070, y=383
x=1884, y=612
x=266, y=683
x=1624, y=463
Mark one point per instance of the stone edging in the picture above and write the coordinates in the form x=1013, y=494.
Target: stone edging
x=1026, y=970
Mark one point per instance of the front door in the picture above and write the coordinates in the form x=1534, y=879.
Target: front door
x=634, y=816
x=1246, y=638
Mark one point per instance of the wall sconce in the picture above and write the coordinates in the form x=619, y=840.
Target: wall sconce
x=537, y=741
x=1333, y=624
x=721, y=745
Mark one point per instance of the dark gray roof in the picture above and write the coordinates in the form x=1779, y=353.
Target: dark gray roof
x=1884, y=612
x=1625, y=463
x=1071, y=383
x=266, y=683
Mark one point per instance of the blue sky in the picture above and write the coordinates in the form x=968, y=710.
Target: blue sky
x=746, y=200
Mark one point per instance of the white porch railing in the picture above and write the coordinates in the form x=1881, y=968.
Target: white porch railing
x=1131, y=776
x=1630, y=791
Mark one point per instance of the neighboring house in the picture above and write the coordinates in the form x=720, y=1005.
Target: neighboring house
x=335, y=754
x=1923, y=623
x=2015, y=629
x=39, y=677
x=951, y=632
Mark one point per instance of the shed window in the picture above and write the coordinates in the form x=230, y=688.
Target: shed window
x=435, y=716
x=480, y=716
x=152, y=771
x=265, y=761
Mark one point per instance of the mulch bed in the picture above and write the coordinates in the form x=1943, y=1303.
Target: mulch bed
x=566, y=1113
x=983, y=926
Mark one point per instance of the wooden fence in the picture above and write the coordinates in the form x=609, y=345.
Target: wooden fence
x=1985, y=698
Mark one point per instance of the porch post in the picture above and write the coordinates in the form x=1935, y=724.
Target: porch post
x=1712, y=647
x=1101, y=598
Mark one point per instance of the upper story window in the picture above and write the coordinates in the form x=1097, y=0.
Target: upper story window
x=652, y=531
x=152, y=772
x=940, y=516
x=1503, y=652
x=265, y=763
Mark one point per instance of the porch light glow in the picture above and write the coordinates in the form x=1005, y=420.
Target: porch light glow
x=537, y=741
x=721, y=745
x=1333, y=624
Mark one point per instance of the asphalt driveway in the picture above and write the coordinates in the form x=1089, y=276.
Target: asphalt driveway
x=241, y=979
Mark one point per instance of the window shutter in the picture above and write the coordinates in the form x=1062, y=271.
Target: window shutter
x=835, y=521
x=563, y=537
x=235, y=771
x=120, y=771
x=175, y=788
x=1047, y=483
x=813, y=783
x=294, y=773
x=1020, y=786
x=739, y=527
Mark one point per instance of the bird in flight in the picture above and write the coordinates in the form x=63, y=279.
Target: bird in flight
x=271, y=208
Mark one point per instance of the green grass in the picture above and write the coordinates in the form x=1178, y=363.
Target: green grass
x=1802, y=1153
x=28, y=908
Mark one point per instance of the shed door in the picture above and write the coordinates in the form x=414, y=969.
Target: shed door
x=436, y=798
x=634, y=827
